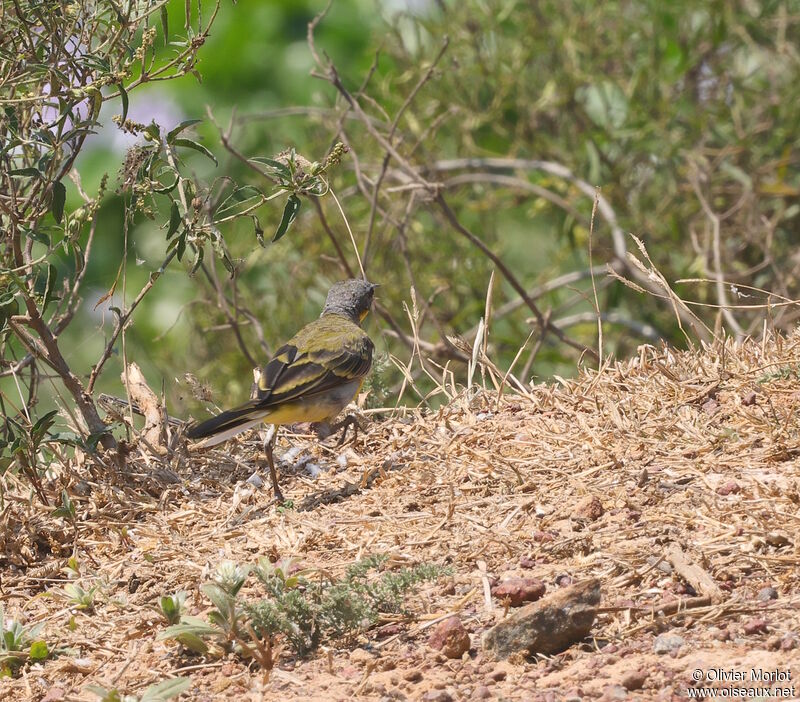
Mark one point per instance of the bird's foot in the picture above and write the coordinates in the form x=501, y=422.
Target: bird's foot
x=325, y=429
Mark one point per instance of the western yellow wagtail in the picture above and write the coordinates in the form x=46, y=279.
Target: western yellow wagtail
x=311, y=378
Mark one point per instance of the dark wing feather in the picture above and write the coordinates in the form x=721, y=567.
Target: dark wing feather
x=336, y=351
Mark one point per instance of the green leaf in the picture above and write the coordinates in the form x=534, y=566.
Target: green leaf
x=165, y=24
x=192, y=641
x=124, y=95
x=174, y=220
x=25, y=172
x=152, y=132
x=280, y=168
x=221, y=599
x=198, y=261
x=183, y=125
x=189, y=144
x=52, y=277
x=39, y=651
x=44, y=423
x=159, y=692
x=289, y=214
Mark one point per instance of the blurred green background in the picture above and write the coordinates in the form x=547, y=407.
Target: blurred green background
x=651, y=102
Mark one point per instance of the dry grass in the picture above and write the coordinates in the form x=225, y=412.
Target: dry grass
x=692, y=458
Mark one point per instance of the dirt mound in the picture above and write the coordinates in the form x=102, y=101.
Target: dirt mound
x=673, y=478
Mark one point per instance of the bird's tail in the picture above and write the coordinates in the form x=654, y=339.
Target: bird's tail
x=226, y=424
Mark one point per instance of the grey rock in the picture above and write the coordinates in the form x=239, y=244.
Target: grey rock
x=667, y=643
x=766, y=594
x=548, y=626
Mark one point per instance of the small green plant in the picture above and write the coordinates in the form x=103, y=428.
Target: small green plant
x=158, y=692
x=790, y=372
x=306, y=611
x=19, y=644
x=230, y=576
x=77, y=597
x=224, y=628
x=285, y=506
x=172, y=606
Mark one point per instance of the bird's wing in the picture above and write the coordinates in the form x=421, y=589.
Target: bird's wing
x=325, y=354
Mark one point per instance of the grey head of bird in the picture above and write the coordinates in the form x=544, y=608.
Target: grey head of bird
x=351, y=299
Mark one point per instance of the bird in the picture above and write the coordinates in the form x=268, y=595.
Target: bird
x=311, y=378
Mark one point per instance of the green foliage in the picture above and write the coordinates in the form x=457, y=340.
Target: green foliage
x=304, y=611
x=791, y=372
x=158, y=692
x=77, y=597
x=19, y=644
x=172, y=606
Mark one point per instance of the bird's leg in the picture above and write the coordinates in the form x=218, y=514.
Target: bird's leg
x=324, y=430
x=269, y=442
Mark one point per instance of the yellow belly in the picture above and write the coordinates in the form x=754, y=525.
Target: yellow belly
x=314, y=409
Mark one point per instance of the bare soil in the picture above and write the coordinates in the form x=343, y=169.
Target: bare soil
x=672, y=477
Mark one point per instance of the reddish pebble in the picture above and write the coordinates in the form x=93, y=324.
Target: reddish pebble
x=749, y=399
x=711, y=407
x=589, y=508
x=450, y=637
x=634, y=680
x=755, y=626
x=519, y=590
x=729, y=488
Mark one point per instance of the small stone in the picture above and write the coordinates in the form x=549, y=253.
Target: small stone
x=612, y=693
x=777, y=539
x=755, y=626
x=350, y=672
x=563, y=580
x=773, y=643
x=720, y=634
x=498, y=675
x=589, y=508
x=788, y=643
x=548, y=626
x=541, y=537
x=729, y=488
x=749, y=399
x=482, y=693
x=437, y=696
x=765, y=594
x=256, y=481
x=519, y=590
x=634, y=680
x=526, y=562
x=710, y=407
x=54, y=694
x=360, y=656
x=414, y=675
x=450, y=637
x=667, y=643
